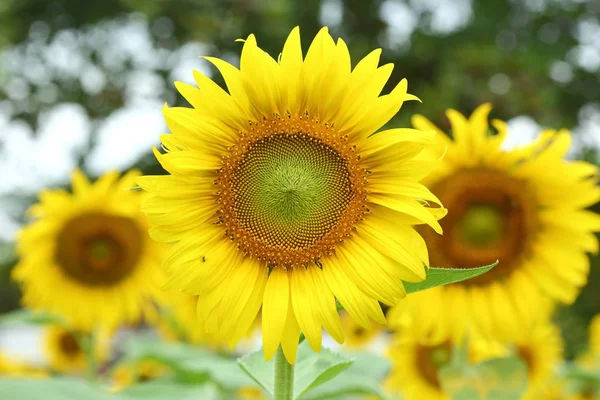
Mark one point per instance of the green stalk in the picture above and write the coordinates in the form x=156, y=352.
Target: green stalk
x=284, y=377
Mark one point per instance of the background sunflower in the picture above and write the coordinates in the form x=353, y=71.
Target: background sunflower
x=91, y=246
x=66, y=352
x=508, y=205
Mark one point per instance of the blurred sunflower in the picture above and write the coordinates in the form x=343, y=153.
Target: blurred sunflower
x=416, y=362
x=542, y=351
x=64, y=351
x=524, y=207
x=415, y=366
x=88, y=257
x=280, y=195
x=145, y=370
x=356, y=335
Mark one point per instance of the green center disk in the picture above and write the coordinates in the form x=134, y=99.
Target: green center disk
x=290, y=190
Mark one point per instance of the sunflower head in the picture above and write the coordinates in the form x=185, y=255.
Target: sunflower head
x=416, y=362
x=140, y=371
x=541, y=350
x=281, y=192
x=91, y=246
x=65, y=352
x=524, y=207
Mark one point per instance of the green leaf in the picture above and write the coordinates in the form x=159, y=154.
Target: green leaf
x=52, y=389
x=362, y=378
x=494, y=379
x=261, y=372
x=574, y=371
x=191, y=364
x=162, y=390
x=314, y=369
x=581, y=379
x=26, y=316
x=71, y=388
x=370, y=365
x=444, y=276
x=311, y=371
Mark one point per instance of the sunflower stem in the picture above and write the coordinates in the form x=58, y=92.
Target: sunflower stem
x=284, y=377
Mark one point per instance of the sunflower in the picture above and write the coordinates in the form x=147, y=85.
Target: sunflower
x=88, y=257
x=358, y=336
x=417, y=360
x=524, y=207
x=144, y=370
x=542, y=351
x=415, y=366
x=281, y=196
x=64, y=351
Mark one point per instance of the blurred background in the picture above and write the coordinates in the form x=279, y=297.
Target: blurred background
x=83, y=83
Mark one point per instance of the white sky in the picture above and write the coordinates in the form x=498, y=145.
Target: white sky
x=31, y=162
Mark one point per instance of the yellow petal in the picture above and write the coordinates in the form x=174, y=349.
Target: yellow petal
x=360, y=306
x=250, y=311
x=323, y=299
x=274, y=310
x=81, y=184
x=368, y=276
x=308, y=318
x=406, y=206
x=290, y=336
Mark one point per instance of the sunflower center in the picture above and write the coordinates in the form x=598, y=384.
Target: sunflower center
x=481, y=225
x=429, y=359
x=99, y=249
x=359, y=332
x=69, y=345
x=290, y=191
x=491, y=216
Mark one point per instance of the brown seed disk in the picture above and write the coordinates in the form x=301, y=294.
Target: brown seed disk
x=99, y=249
x=513, y=204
